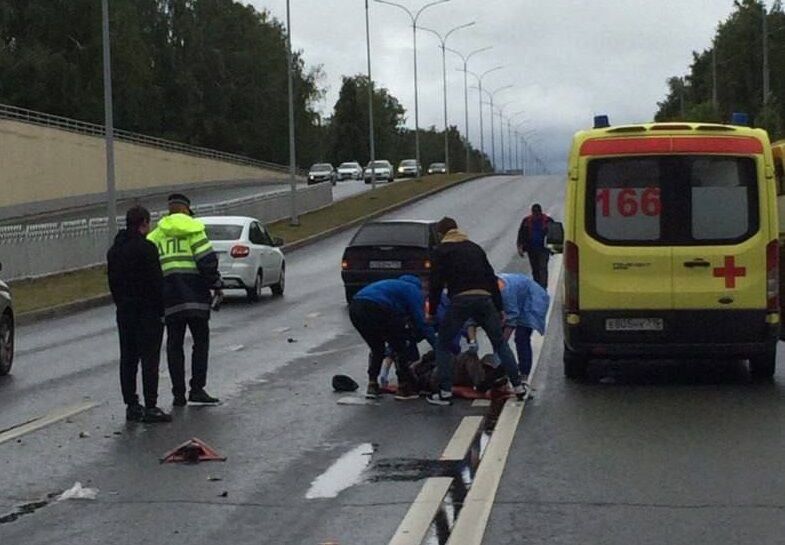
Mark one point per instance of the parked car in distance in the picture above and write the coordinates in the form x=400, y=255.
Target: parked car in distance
x=437, y=168
x=321, y=172
x=383, y=170
x=350, y=171
x=6, y=328
x=387, y=249
x=248, y=257
x=410, y=168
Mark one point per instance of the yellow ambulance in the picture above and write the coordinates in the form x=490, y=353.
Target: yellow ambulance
x=671, y=245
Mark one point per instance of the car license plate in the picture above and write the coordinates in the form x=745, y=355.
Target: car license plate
x=385, y=264
x=634, y=324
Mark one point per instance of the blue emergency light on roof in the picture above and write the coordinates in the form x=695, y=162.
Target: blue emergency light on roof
x=739, y=118
x=601, y=122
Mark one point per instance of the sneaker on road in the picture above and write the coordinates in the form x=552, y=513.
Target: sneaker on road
x=405, y=393
x=520, y=391
x=179, y=401
x=200, y=396
x=134, y=413
x=154, y=415
x=372, y=392
x=440, y=398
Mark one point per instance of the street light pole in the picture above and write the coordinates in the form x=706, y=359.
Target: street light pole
x=479, y=78
x=501, y=132
x=443, y=41
x=111, y=196
x=414, y=17
x=766, y=73
x=294, y=219
x=370, y=97
x=492, y=95
x=465, y=59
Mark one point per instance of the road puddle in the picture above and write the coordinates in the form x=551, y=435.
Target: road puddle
x=346, y=472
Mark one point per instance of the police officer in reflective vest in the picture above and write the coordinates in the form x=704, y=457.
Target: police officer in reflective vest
x=190, y=269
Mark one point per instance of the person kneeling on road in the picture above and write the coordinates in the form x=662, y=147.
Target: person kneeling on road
x=190, y=269
x=525, y=308
x=136, y=283
x=462, y=266
x=379, y=312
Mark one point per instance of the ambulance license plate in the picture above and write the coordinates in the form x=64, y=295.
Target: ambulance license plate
x=385, y=264
x=634, y=324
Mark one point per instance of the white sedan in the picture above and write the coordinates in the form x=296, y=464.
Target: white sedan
x=248, y=257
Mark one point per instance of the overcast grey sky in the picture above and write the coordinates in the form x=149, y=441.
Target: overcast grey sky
x=567, y=59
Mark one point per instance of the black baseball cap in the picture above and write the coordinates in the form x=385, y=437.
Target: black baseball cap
x=179, y=198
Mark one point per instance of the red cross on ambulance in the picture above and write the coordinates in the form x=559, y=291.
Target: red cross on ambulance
x=730, y=272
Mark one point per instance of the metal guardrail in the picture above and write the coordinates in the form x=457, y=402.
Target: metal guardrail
x=91, y=129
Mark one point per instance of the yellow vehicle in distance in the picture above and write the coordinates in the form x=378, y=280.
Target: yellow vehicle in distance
x=671, y=245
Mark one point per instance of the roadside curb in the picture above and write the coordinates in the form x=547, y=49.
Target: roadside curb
x=373, y=215
x=92, y=302
x=63, y=310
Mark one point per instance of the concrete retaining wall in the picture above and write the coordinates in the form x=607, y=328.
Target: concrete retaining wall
x=40, y=165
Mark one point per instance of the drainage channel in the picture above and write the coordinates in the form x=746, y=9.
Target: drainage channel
x=450, y=477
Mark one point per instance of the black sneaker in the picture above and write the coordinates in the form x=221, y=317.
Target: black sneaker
x=200, y=396
x=179, y=401
x=372, y=392
x=406, y=393
x=440, y=398
x=521, y=391
x=154, y=415
x=134, y=413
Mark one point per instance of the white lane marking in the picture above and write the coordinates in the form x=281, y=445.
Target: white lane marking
x=481, y=403
x=46, y=420
x=418, y=520
x=462, y=439
x=472, y=521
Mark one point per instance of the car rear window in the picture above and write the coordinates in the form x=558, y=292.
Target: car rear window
x=392, y=234
x=223, y=232
x=672, y=199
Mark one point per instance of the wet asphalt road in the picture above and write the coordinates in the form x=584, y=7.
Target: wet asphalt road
x=681, y=453
x=279, y=425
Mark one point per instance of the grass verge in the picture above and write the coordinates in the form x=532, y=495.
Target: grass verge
x=52, y=291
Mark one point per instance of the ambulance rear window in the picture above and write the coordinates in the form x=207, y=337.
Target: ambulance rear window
x=672, y=199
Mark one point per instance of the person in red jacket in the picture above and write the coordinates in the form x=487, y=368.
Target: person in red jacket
x=531, y=240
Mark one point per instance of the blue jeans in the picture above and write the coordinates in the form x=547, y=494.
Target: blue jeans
x=482, y=310
x=523, y=345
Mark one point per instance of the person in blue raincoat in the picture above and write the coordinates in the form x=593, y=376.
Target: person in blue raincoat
x=525, y=308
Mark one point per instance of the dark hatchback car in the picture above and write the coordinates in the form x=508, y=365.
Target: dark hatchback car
x=387, y=249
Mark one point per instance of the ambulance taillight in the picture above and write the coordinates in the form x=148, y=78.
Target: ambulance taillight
x=773, y=276
x=571, y=276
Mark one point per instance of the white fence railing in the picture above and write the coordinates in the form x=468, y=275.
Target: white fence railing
x=48, y=248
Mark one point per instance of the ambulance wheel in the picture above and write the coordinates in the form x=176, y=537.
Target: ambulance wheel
x=576, y=366
x=762, y=366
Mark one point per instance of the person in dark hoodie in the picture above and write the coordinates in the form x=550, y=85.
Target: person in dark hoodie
x=136, y=283
x=462, y=267
x=531, y=240
x=190, y=269
x=379, y=312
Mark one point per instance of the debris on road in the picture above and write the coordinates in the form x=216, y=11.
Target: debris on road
x=291, y=340
x=223, y=494
x=236, y=348
x=78, y=492
x=356, y=401
x=213, y=479
x=344, y=383
x=192, y=451
x=346, y=472
x=84, y=435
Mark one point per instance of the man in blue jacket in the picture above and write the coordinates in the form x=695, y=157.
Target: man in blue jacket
x=380, y=312
x=525, y=308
